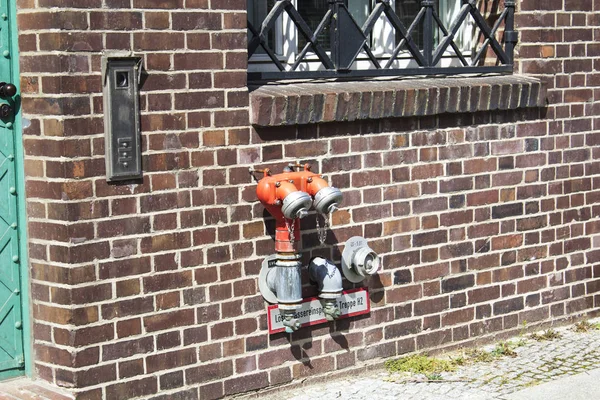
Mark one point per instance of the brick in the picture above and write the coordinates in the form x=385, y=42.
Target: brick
x=127, y=348
x=130, y=389
x=430, y=205
x=118, y=269
x=149, y=41
x=433, y=339
x=245, y=383
x=167, y=281
x=169, y=320
x=171, y=380
x=458, y=317
x=196, y=21
x=127, y=307
x=483, y=294
x=174, y=359
x=431, y=306
x=458, y=283
x=430, y=238
x=402, y=329
x=209, y=372
x=431, y=271
x=95, y=375
x=115, y=20
x=507, y=210
x=66, y=20
x=507, y=306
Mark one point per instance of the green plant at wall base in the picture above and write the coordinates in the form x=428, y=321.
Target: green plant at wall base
x=434, y=377
x=548, y=334
x=480, y=356
x=459, y=360
x=420, y=364
x=585, y=326
x=432, y=367
x=521, y=342
x=523, y=330
x=504, y=349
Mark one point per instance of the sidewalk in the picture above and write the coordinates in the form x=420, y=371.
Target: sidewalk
x=27, y=389
x=560, y=368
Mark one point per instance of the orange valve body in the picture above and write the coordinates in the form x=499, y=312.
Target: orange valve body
x=272, y=191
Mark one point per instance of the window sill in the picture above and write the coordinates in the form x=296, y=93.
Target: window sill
x=309, y=103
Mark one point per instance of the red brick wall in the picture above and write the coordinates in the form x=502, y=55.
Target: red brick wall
x=484, y=220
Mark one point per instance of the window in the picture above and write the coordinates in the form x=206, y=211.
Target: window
x=325, y=38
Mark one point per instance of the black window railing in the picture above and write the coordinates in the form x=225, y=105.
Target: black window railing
x=331, y=44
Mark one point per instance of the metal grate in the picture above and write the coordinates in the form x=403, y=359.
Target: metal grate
x=339, y=48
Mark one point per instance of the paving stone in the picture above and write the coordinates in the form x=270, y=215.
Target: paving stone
x=536, y=362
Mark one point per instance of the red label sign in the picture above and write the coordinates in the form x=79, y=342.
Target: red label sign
x=351, y=303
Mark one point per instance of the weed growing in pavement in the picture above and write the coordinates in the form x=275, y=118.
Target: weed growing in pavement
x=548, y=334
x=420, y=364
x=522, y=339
x=434, y=377
x=585, y=326
x=433, y=367
x=459, y=360
x=504, y=349
x=534, y=382
x=521, y=342
x=523, y=328
x=477, y=355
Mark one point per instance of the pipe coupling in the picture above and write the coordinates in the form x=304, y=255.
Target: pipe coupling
x=296, y=205
x=327, y=277
x=327, y=200
x=359, y=260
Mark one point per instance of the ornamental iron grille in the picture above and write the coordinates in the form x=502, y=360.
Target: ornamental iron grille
x=339, y=47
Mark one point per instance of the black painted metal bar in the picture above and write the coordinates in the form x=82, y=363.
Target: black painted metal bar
x=487, y=32
x=326, y=20
x=402, y=42
x=448, y=40
x=305, y=30
x=254, y=42
x=486, y=42
x=428, y=34
x=335, y=32
x=350, y=43
x=260, y=40
x=399, y=26
x=511, y=36
x=371, y=56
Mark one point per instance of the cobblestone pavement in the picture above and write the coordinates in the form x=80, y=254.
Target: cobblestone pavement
x=536, y=362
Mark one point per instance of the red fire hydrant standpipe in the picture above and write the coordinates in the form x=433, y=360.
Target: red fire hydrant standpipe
x=288, y=197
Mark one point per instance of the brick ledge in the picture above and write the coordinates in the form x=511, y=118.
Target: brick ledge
x=309, y=103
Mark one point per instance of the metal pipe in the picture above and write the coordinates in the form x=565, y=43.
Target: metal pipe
x=329, y=283
x=285, y=281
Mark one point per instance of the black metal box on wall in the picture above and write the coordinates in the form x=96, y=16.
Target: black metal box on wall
x=121, y=77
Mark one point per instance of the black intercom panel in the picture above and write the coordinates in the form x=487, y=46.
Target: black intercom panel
x=122, y=118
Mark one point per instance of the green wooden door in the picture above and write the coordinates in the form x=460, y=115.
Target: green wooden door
x=11, y=324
